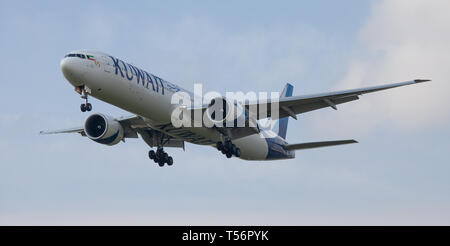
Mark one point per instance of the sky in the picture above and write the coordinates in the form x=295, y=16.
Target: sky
x=398, y=173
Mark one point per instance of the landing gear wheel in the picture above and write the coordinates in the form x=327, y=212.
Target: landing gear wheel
x=237, y=153
x=88, y=107
x=151, y=154
x=228, y=145
x=83, y=107
x=160, y=157
x=169, y=161
x=233, y=149
x=219, y=146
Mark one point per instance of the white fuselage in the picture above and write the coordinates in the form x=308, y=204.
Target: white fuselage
x=137, y=91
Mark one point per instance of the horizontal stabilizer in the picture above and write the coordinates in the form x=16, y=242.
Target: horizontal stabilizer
x=317, y=144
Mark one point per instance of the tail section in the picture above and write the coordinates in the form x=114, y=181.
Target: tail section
x=283, y=122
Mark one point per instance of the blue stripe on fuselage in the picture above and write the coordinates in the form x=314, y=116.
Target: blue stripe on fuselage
x=276, y=150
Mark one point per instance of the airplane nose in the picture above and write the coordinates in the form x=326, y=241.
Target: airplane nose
x=66, y=68
x=71, y=71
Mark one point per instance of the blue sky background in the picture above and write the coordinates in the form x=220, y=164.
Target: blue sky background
x=397, y=175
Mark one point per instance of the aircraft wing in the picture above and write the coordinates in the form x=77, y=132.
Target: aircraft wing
x=291, y=106
x=132, y=125
x=68, y=130
x=126, y=122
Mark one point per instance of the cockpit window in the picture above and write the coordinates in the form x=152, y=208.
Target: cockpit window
x=76, y=55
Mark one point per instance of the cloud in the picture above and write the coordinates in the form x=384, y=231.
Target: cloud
x=402, y=40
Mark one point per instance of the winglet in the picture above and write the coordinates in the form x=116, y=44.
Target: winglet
x=421, y=80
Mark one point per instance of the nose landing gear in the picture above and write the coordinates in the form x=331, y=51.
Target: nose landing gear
x=228, y=149
x=85, y=107
x=84, y=94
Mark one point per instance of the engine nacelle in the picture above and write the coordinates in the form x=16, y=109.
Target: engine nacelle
x=103, y=129
x=226, y=113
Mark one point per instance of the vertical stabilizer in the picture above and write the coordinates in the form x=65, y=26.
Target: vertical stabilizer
x=283, y=122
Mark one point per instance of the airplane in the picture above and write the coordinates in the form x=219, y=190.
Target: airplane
x=148, y=98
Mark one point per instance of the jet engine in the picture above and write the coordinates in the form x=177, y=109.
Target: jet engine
x=103, y=129
x=223, y=112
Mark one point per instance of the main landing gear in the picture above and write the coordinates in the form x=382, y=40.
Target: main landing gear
x=228, y=149
x=160, y=157
x=85, y=106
